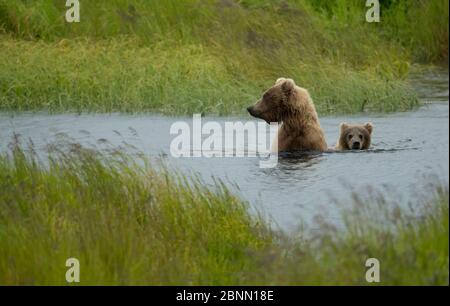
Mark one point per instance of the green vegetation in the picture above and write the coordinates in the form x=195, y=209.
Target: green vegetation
x=128, y=223
x=213, y=56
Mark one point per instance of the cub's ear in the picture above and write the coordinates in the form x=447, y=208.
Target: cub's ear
x=343, y=126
x=369, y=127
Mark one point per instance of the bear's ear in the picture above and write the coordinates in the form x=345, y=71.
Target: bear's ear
x=343, y=126
x=288, y=86
x=279, y=81
x=369, y=127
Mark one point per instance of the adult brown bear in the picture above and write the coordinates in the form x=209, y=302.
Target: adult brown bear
x=292, y=106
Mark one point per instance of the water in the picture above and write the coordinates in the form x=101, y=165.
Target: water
x=407, y=148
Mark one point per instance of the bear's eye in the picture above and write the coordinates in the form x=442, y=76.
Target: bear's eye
x=350, y=136
x=361, y=137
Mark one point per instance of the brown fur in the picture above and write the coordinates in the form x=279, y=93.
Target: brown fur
x=292, y=106
x=354, y=137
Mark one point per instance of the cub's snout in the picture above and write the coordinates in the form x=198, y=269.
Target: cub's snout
x=356, y=146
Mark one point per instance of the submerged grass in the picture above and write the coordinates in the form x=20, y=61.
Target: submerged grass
x=214, y=56
x=128, y=223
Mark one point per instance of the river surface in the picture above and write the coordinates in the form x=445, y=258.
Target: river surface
x=408, y=148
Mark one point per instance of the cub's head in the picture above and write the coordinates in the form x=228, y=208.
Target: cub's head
x=274, y=103
x=355, y=137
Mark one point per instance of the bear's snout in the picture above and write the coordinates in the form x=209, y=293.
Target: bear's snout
x=356, y=145
x=251, y=111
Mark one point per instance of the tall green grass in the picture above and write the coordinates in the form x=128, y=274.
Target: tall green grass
x=214, y=56
x=115, y=75
x=420, y=26
x=228, y=21
x=131, y=222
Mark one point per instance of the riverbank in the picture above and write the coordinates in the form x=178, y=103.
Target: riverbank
x=158, y=57
x=128, y=223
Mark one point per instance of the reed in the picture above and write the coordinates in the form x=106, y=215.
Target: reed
x=214, y=57
x=131, y=221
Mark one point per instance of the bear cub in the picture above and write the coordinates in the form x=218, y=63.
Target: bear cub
x=354, y=137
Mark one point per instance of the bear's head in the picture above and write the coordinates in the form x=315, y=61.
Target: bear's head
x=275, y=103
x=355, y=137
